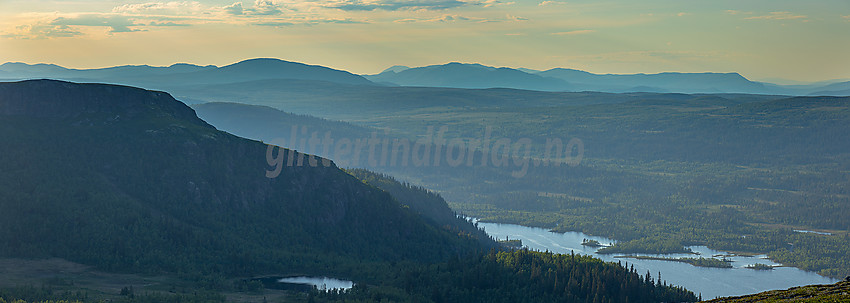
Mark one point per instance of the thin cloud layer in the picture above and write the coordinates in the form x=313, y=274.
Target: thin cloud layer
x=161, y=8
x=575, y=32
x=778, y=16
x=115, y=23
x=440, y=19
x=234, y=9
x=550, y=3
x=360, y=32
x=394, y=5
x=139, y=17
x=266, y=8
x=147, y=16
x=737, y=12
x=42, y=31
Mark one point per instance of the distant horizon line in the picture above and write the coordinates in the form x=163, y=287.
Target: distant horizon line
x=771, y=80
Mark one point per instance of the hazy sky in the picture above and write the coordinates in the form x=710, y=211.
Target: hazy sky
x=791, y=39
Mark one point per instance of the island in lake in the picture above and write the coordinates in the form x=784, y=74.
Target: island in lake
x=759, y=266
x=514, y=244
x=701, y=262
x=591, y=243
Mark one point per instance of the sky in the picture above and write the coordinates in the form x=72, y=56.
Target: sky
x=794, y=40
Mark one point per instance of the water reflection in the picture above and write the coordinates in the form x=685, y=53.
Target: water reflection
x=710, y=282
x=322, y=283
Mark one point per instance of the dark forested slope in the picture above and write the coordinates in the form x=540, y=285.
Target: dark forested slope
x=424, y=202
x=129, y=179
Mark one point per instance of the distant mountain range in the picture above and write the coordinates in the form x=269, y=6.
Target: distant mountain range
x=185, y=74
x=459, y=75
x=22, y=70
x=451, y=75
x=663, y=82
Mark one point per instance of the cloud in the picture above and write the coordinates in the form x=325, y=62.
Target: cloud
x=516, y=18
x=58, y=25
x=778, y=16
x=166, y=23
x=309, y=21
x=195, y=8
x=275, y=24
x=394, y=5
x=451, y=18
x=737, y=12
x=443, y=18
x=265, y=8
x=491, y=3
x=116, y=23
x=42, y=31
x=160, y=8
x=234, y=9
x=682, y=14
x=160, y=14
x=546, y=3
x=459, y=18
x=575, y=32
x=344, y=21
x=846, y=18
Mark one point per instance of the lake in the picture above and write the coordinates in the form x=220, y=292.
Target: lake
x=322, y=283
x=710, y=282
x=304, y=283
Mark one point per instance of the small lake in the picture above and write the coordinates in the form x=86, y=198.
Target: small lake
x=710, y=282
x=304, y=283
x=813, y=232
x=322, y=283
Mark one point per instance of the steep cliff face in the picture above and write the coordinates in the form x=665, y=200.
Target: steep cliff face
x=58, y=99
x=129, y=179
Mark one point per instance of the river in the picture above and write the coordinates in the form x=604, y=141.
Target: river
x=709, y=282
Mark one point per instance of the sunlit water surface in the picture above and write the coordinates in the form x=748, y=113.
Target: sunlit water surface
x=710, y=282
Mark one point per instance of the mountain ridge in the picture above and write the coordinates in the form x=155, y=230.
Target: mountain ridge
x=707, y=82
x=465, y=75
x=476, y=75
x=160, y=77
x=38, y=98
x=449, y=75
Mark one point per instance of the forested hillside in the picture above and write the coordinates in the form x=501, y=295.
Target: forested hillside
x=495, y=277
x=658, y=172
x=424, y=202
x=130, y=181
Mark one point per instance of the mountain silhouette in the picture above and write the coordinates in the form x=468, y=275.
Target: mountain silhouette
x=460, y=75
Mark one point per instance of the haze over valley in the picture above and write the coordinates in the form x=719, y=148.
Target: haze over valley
x=424, y=151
